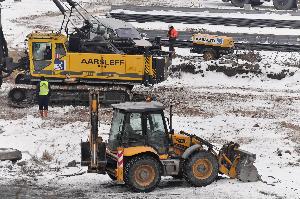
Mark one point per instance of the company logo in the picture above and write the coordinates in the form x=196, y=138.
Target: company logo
x=112, y=62
x=180, y=141
x=209, y=40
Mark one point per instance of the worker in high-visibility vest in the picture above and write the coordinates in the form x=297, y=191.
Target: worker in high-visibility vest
x=43, y=90
x=172, y=34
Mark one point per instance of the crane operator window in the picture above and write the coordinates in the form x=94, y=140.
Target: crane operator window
x=42, y=51
x=42, y=55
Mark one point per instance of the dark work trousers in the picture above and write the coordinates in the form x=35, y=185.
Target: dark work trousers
x=172, y=44
x=43, y=102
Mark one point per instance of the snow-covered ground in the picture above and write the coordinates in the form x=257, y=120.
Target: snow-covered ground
x=260, y=113
x=263, y=123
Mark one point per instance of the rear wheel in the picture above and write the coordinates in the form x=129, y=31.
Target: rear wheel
x=240, y=3
x=142, y=174
x=285, y=4
x=17, y=95
x=256, y=2
x=209, y=54
x=201, y=169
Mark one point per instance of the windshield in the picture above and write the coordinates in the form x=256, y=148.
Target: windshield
x=128, y=33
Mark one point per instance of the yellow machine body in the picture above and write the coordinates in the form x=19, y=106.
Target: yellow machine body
x=140, y=149
x=213, y=40
x=64, y=64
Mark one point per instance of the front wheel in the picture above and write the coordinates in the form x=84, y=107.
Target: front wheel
x=142, y=174
x=285, y=4
x=201, y=169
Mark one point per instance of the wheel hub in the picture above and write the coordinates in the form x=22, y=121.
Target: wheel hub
x=144, y=175
x=202, y=169
x=17, y=95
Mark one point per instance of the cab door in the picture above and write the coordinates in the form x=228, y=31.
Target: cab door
x=60, y=58
x=156, y=132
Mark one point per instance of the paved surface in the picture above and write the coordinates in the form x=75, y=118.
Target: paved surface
x=240, y=22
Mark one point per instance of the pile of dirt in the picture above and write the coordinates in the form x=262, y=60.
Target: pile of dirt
x=232, y=70
x=284, y=73
x=187, y=68
x=250, y=56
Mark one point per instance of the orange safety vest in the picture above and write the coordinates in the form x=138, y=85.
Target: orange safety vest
x=173, y=33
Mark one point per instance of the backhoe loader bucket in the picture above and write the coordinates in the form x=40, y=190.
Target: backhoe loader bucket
x=237, y=163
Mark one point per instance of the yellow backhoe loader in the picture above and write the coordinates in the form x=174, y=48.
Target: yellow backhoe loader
x=141, y=148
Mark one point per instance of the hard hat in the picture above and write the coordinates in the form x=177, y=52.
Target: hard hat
x=170, y=25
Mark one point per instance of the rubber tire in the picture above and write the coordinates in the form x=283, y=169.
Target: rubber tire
x=290, y=4
x=12, y=92
x=188, y=169
x=209, y=52
x=130, y=170
x=240, y=3
x=256, y=3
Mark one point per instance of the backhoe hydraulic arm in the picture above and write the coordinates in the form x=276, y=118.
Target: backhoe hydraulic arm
x=94, y=150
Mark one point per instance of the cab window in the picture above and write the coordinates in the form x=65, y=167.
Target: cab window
x=133, y=130
x=42, y=55
x=42, y=51
x=116, y=129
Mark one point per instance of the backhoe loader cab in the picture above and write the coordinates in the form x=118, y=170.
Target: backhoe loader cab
x=139, y=124
x=141, y=149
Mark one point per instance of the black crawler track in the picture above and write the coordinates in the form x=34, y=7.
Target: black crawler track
x=78, y=95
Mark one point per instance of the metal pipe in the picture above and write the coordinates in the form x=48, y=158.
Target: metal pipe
x=73, y=5
x=63, y=11
x=60, y=7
